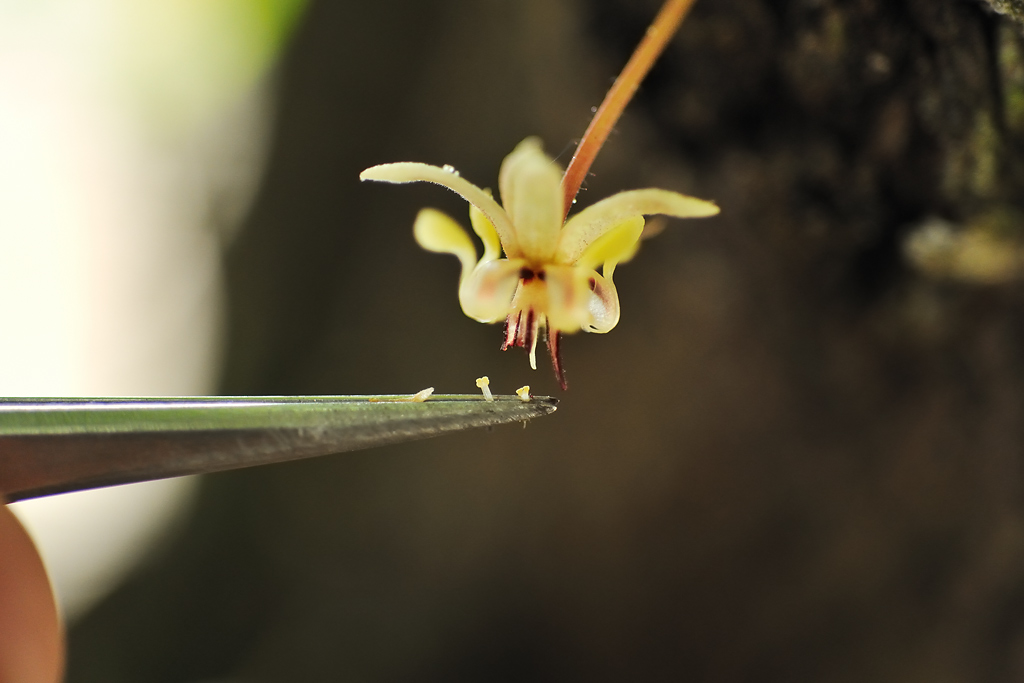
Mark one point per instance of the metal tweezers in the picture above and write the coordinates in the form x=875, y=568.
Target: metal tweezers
x=56, y=445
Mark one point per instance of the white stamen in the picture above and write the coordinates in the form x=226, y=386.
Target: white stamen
x=524, y=394
x=421, y=396
x=533, y=344
x=483, y=383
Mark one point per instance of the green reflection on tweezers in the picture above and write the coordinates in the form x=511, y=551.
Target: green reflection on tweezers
x=55, y=445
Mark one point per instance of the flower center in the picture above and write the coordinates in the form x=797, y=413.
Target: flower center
x=528, y=318
x=527, y=275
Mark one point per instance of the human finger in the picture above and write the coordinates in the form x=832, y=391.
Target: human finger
x=31, y=637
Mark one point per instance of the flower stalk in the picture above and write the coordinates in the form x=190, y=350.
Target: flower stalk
x=661, y=30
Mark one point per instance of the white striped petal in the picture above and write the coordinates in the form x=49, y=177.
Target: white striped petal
x=603, y=305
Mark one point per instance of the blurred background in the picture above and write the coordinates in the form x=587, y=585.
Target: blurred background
x=796, y=458
x=131, y=141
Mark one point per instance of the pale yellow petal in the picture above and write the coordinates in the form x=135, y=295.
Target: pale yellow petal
x=484, y=229
x=412, y=172
x=589, y=224
x=486, y=295
x=615, y=246
x=568, y=292
x=436, y=231
x=531, y=191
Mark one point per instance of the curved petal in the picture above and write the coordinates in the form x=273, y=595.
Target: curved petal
x=603, y=305
x=484, y=229
x=486, y=295
x=412, y=172
x=568, y=291
x=531, y=191
x=614, y=247
x=592, y=222
x=438, y=232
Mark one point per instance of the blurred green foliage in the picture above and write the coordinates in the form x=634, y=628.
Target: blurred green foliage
x=183, y=60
